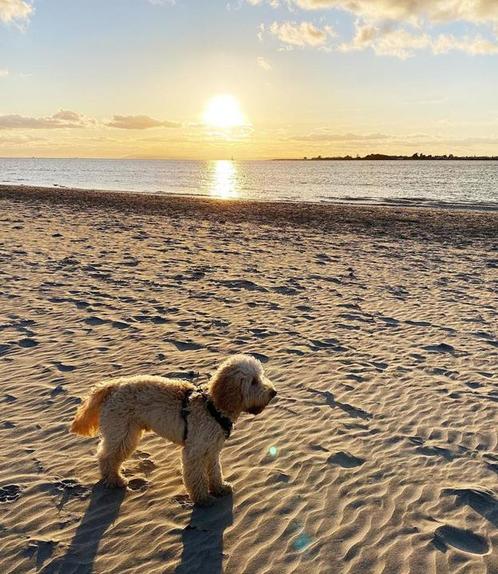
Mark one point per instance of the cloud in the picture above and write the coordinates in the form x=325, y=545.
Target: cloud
x=139, y=123
x=399, y=28
x=262, y=63
x=15, y=10
x=387, y=40
x=415, y=11
x=272, y=3
x=333, y=143
x=335, y=137
x=303, y=34
x=66, y=115
x=476, y=45
x=396, y=42
x=70, y=119
x=19, y=140
x=62, y=119
x=4, y=72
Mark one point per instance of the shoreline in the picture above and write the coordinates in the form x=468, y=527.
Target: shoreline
x=439, y=220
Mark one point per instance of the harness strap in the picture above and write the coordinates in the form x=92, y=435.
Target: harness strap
x=185, y=411
x=225, y=423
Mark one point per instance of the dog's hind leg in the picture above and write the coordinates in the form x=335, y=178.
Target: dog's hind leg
x=118, y=442
x=195, y=477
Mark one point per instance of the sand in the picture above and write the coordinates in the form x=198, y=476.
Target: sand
x=378, y=326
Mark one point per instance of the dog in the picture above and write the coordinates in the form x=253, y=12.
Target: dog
x=199, y=419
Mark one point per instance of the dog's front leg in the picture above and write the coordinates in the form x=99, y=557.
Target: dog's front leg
x=195, y=477
x=217, y=486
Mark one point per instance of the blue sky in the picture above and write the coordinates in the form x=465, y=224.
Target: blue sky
x=310, y=76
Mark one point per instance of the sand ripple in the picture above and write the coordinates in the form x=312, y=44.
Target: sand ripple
x=379, y=457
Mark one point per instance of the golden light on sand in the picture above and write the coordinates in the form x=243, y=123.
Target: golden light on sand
x=223, y=179
x=223, y=112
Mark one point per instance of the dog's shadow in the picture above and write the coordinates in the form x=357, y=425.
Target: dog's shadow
x=100, y=514
x=202, y=538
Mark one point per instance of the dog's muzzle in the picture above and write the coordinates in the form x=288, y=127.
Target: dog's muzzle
x=257, y=410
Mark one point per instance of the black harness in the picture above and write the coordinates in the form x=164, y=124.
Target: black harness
x=225, y=423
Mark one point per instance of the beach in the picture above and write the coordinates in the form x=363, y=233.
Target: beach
x=377, y=325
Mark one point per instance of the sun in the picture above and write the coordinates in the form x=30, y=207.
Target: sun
x=223, y=112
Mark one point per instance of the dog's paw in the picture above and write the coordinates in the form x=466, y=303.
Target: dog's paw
x=223, y=490
x=115, y=482
x=206, y=501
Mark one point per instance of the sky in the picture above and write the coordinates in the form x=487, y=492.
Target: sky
x=248, y=79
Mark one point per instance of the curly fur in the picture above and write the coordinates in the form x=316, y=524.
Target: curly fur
x=122, y=409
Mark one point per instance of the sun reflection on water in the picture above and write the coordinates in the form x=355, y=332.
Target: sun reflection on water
x=223, y=179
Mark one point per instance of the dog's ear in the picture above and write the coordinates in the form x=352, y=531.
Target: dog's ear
x=226, y=390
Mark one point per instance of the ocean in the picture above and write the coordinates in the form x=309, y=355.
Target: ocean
x=460, y=183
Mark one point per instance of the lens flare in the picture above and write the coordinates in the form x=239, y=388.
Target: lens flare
x=301, y=542
x=273, y=451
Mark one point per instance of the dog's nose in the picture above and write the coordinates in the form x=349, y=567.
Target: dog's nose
x=273, y=393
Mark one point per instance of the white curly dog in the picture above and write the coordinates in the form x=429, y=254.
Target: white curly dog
x=199, y=419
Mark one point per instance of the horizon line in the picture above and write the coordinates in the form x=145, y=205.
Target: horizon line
x=349, y=157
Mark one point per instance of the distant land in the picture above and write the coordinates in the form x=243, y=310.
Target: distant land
x=384, y=157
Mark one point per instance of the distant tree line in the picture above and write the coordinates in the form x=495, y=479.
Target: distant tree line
x=414, y=157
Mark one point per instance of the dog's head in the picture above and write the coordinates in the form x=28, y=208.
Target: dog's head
x=239, y=385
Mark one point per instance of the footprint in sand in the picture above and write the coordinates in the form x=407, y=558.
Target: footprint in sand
x=42, y=549
x=64, y=368
x=185, y=345
x=137, y=484
x=57, y=390
x=285, y=290
x=333, y=344
x=318, y=447
x=262, y=358
x=418, y=323
x=460, y=539
x=390, y=321
x=120, y=325
x=322, y=258
x=380, y=366
x=94, y=321
x=146, y=466
x=431, y=450
x=473, y=385
x=492, y=466
x=72, y=487
x=238, y=284
x=345, y=459
x=441, y=348
x=28, y=343
x=4, y=349
x=278, y=477
x=10, y=493
x=482, y=500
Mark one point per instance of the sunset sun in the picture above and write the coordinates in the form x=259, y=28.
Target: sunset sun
x=223, y=112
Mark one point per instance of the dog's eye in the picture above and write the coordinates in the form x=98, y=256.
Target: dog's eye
x=254, y=382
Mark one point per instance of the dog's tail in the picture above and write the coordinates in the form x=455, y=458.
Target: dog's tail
x=86, y=420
